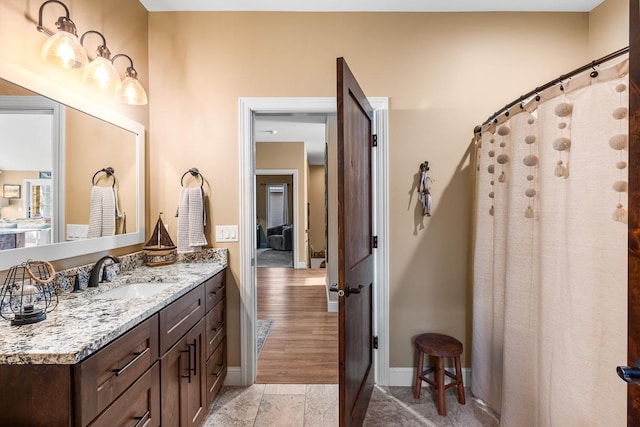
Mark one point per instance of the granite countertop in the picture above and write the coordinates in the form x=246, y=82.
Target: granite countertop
x=81, y=324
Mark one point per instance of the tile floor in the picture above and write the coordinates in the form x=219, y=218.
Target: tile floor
x=300, y=405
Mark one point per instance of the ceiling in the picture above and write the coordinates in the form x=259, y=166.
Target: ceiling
x=311, y=128
x=307, y=128
x=373, y=5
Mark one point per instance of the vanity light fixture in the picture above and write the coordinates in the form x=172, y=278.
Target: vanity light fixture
x=131, y=92
x=63, y=47
x=100, y=72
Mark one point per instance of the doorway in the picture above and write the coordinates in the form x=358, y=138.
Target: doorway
x=294, y=329
x=276, y=217
x=248, y=108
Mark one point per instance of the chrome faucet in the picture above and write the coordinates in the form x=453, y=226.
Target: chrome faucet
x=94, y=276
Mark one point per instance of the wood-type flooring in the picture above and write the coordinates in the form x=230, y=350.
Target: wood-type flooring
x=302, y=345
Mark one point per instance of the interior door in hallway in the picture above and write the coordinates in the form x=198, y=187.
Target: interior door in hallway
x=355, y=248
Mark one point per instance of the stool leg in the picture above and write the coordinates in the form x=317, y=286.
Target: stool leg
x=418, y=384
x=442, y=410
x=460, y=384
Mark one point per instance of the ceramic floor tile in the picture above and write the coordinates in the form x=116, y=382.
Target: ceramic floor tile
x=285, y=389
x=317, y=405
x=321, y=405
x=282, y=410
x=396, y=406
x=235, y=406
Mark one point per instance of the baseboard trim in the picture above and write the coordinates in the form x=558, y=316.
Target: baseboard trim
x=332, y=306
x=400, y=377
x=234, y=376
x=405, y=377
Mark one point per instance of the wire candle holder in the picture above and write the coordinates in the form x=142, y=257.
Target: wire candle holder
x=28, y=293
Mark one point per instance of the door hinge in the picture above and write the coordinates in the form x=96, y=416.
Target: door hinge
x=374, y=140
x=374, y=242
x=375, y=343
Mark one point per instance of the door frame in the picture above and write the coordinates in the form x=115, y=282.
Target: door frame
x=294, y=174
x=248, y=107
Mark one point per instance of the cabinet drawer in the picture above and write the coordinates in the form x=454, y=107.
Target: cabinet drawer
x=101, y=378
x=216, y=326
x=139, y=406
x=180, y=316
x=215, y=288
x=216, y=371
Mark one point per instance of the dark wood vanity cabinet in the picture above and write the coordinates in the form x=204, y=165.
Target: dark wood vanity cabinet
x=165, y=371
x=193, y=353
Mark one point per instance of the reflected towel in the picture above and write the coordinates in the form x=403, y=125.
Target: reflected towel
x=102, y=212
x=191, y=216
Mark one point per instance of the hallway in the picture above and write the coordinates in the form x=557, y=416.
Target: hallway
x=302, y=345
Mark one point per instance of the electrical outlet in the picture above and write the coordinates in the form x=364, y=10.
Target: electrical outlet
x=226, y=233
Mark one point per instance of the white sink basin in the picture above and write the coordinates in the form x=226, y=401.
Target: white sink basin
x=135, y=290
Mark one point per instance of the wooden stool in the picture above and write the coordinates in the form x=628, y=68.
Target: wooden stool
x=440, y=346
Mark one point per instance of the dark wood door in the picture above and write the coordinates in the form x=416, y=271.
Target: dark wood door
x=633, y=347
x=355, y=248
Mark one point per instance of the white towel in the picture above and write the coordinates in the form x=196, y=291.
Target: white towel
x=191, y=236
x=102, y=212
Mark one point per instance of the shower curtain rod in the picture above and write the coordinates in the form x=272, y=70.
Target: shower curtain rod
x=554, y=82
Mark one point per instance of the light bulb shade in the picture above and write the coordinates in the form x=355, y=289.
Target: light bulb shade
x=63, y=49
x=132, y=92
x=101, y=74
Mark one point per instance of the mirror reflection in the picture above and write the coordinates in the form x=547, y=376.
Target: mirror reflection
x=52, y=189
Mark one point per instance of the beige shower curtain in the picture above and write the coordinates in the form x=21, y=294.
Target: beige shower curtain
x=550, y=260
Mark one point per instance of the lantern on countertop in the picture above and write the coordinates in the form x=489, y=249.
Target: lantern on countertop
x=28, y=293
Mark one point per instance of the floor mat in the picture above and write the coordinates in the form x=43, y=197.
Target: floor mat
x=262, y=332
x=272, y=258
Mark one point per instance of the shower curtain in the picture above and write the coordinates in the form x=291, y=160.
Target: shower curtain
x=550, y=256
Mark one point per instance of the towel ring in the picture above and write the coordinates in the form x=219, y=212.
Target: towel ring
x=109, y=172
x=195, y=173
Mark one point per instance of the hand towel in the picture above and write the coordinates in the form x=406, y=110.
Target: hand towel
x=191, y=216
x=102, y=212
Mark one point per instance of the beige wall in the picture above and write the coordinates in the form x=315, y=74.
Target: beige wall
x=608, y=28
x=317, y=222
x=92, y=145
x=444, y=74
x=289, y=155
x=125, y=27
x=15, y=208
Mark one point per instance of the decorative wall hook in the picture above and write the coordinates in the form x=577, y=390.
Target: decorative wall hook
x=425, y=192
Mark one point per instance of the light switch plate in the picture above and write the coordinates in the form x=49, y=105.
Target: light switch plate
x=226, y=233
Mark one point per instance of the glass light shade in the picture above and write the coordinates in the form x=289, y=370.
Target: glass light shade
x=132, y=92
x=101, y=74
x=64, y=50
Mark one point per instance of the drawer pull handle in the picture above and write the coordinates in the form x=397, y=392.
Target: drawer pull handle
x=219, y=288
x=195, y=356
x=142, y=420
x=188, y=350
x=218, y=326
x=217, y=374
x=138, y=355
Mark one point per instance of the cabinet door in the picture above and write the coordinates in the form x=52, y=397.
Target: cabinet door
x=196, y=386
x=173, y=366
x=183, y=389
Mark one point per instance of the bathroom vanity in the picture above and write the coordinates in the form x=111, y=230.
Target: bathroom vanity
x=110, y=357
